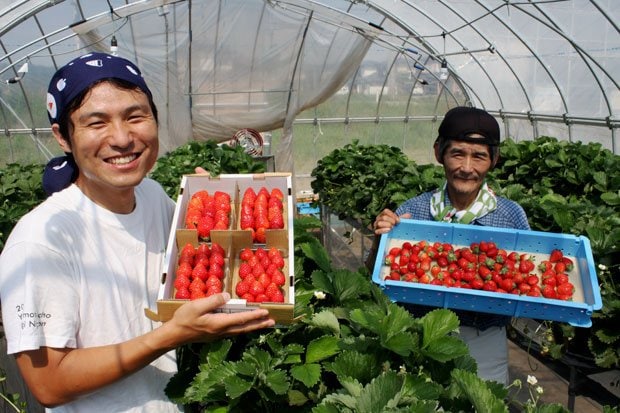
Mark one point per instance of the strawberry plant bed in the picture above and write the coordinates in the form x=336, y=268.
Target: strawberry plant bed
x=586, y=297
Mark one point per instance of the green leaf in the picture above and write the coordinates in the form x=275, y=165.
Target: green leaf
x=361, y=366
x=277, y=381
x=318, y=254
x=551, y=408
x=326, y=320
x=215, y=352
x=321, y=348
x=236, y=386
x=348, y=285
x=419, y=387
x=476, y=391
x=308, y=374
x=402, y=343
x=381, y=394
x=322, y=282
x=600, y=177
x=437, y=324
x=611, y=198
x=445, y=348
x=296, y=398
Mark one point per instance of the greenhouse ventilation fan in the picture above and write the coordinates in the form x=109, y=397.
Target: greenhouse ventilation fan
x=250, y=140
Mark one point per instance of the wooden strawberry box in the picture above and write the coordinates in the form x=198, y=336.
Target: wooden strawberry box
x=232, y=240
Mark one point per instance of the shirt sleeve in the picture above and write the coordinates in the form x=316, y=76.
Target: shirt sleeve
x=39, y=299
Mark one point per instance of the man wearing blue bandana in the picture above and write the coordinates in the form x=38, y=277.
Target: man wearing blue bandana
x=467, y=147
x=78, y=271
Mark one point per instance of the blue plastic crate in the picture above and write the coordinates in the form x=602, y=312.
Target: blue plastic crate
x=587, y=297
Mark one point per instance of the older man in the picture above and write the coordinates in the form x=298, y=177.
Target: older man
x=467, y=147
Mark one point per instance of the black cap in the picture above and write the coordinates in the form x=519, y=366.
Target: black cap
x=462, y=121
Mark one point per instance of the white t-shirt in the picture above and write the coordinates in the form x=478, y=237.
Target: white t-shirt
x=75, y=275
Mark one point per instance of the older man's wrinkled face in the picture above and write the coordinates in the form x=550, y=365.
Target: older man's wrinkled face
x=466, y=166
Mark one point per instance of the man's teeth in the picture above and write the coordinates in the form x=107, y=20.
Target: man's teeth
x=122, y=160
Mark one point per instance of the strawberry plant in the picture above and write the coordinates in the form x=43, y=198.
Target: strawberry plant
x=359, y=181
x=564, y=187
x=352, y=350
x=20, y=191
x=216, y=159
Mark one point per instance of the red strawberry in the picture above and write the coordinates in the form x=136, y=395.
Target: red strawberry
x=265, y=262
x=203, y=249
x=221, y=196
x=188, y=251
x=214, y=281
x=217, y=249
x=273, y=252
x=195, y=204
x=201, y=259
x=260, y=253
x=194, y=295
x=196, y=285
x=568, y=263
x=200, y=272
x=244, y=270
x=556, y=255
x=526, y=266
x=277, y=222
x=191, y=219
x=212, y=291
x=566, y=289
x=184, y=270
x=277, y=297
x=217, y=258
x=271, y=269
x=271, y=288
x=209, y=207
x=248, y=196
x=260, y=235
x=278, y=261
x=278, y=278
x=181, y=282
x=261, y=298
x=257, y=269
x=182, y=294
x=275, y=203
x=242, y=288
x=221, y=225
x=246, y=254
x=246, y=220
x=205, y=225
x=264, y=279
x=216, y=271
x=276, y=193
x=548, y=291
x=256, y=288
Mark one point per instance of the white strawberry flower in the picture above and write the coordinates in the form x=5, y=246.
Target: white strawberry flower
x=319, y=295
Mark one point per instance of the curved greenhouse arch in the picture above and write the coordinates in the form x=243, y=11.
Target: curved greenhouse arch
x=315, y=70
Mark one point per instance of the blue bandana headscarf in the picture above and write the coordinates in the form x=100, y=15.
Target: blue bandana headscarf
x=69, y=82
